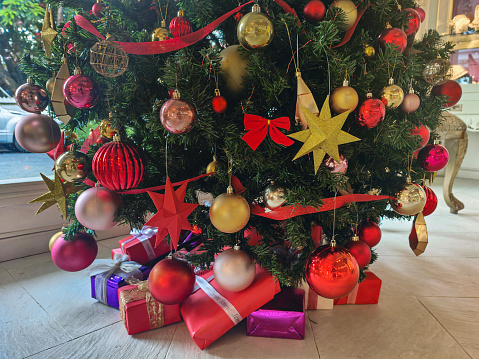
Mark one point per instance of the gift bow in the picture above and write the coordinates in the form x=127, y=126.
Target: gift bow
x=258, y=128
x=144, y=233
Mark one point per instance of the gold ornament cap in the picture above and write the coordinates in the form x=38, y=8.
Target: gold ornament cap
x=77, y=71
x=345, y=82
x=181, y=13
x=176, y=94
x=391, y=81
x=116, y=138
x=256, y=8
x=355, y=238
x=236, y=247
x=30, y=80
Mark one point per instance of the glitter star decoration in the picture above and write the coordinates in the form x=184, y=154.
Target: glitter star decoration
x=323, y=135
x=58, y=192
x=48, y=31
x=173, y=212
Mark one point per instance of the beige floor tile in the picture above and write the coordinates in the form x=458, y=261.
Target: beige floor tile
x=236, y=344
x=114, y=342
x=111, y=243
x=25, y=328
x=398, y=327
x=459, y=316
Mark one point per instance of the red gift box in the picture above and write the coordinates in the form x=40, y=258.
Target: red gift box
x=366, y=292
x=140, y=246
x=141, y=312
x=209, y=316
x=115, y=251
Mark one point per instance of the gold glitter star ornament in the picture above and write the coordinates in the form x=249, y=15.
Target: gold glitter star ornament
x=323, y=135
x=48, y=31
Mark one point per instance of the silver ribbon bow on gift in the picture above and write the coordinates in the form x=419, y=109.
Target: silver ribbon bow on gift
x=144, y=233
x=121, y=266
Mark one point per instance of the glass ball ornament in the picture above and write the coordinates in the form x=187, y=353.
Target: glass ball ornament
x=332, y=271
x=108, y=58
x=73, y=166
x=369, y=232
x=393, y=36
x=421, y=13
x=255, y=30
x=31, y=97
x=392, y=95
x=451, y=89
x=433, y=158
x=334, y=167
x=437, y=71
x=214, y=165
x=360, y=250
x=371, y=112
x=234, y=269
x=314, y=11
x=369, y=52
x=234, y=66
x=180, y=25
x=410, y=200
x=37, y=133
x=80, y=91
x=177, y=116
x=273, y=196
x=350, y=12
x=410, y=103
x=107, y=131
x=50, y=84
x=413, y=22
x=431, y=201
x=229, y=212
x=422, y=131
x=97, y=9
x=218, y=102
x=160, y=33
x=344, y=98
x=75, y=255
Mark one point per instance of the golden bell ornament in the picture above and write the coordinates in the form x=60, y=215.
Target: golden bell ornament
x=212, y=166
x=160, y=33
x=255, y=30
x=369, y=52
x=53, y=239
x=273, y=196
x=392, y=95
x=410, y=200
x=229, y=212
x=233, y=65
x=73, y=166
x=344, y=98
x=350, y=12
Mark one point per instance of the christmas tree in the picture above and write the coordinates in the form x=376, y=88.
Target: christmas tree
x=300, y=104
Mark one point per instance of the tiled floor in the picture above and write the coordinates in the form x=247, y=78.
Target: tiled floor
x=429, y=307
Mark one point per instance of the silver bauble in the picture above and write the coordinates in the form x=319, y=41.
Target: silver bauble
x=234, y=270
x=37, y=133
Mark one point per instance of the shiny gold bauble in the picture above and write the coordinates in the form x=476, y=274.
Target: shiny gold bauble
x=343, y=99
x=233, y=66
x=369, y=52
x=410, y=200
x=229, y=212
x=212, y=166
x=73, y=166
x=255, y=30
x=160, y=33
x=273, y=196
x=350, y=12
x=107, y=130
x=53, y=239
x=437, y=71
x=49, y=84
x=392, y=96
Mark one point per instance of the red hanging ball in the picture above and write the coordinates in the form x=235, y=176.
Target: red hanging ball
x=171, y=92
x=431, y=201
x=451, y=89
x=75, y=255
x=195, y=229
x=314, y=11
x=371, y=113
x=421, y=13
x=219, y=104
x=433, y=158
x=180, y=25
x=393, y=36
x=370, y=233
x=97, y=8
x=119, y=165
x=332, y=272
x=80, y=91
x=422, y=131
x=413, y=22
x=171, y=281
x=361, y=251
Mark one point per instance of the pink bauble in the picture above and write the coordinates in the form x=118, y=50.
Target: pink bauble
x=97, y=8
x=410, y=103
x=335, y=167
x=75, y=255
x=433, y=158
x=421, y=13
x=177, y=116
x=31, y=97
x=96, y=208
x=80, y=91
x=37, y=133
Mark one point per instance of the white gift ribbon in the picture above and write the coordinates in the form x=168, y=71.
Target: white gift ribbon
x=353, y=295
x=144, y=236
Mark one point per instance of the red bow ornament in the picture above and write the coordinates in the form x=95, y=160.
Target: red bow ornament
x=259, y=127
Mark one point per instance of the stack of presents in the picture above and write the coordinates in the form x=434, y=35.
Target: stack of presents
x=270, y=311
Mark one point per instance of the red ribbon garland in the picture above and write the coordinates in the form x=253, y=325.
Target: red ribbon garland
x=259, y=127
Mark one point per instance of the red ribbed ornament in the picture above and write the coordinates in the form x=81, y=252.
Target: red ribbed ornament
x=180, y=25
x=119, y=165
x=431, y=202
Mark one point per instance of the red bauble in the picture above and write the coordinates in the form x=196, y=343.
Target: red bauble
x=431, y=201
x=361, y=251
x=219, y=104
x=371, y=113
x=422, y=131
x=119, y=165
x=413, y=22
x=97, y=8
x=421, y=13
x=451, y=89
x=370, y=233
x=80, y=91
x=393, y=36
x=332, y=272
x=195, y=229
x=314, y=11
x=171, y=281
x=75, y=255
x=170, y=93
x=433, y=158
x=180, y=25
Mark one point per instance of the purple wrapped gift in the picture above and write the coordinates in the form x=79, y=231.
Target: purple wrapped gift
x=283, y=317
x=104, y=285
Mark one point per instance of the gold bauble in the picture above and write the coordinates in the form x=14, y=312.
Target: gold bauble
x=229, y=212
x=160, y=33
x=410, y=200
x=437, y=71
x=234, y=65
x=392, y=95
x=107, y=130
x=369, y=52
x=212, y=166
x=53, y=239
x=350, y=12
x=73, y=166
x=343, y=99
x=255, y=30
x=49, y=84
x=273, y=196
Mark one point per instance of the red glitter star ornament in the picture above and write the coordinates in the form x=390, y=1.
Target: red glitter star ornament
x=173, y=212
